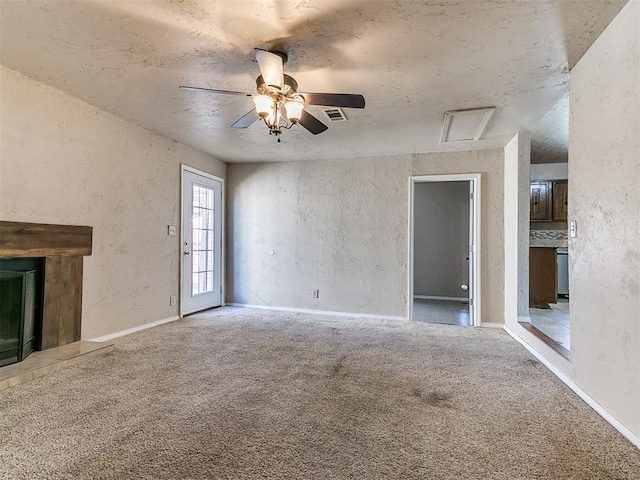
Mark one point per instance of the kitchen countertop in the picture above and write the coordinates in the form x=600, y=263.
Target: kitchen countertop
x=549, y=242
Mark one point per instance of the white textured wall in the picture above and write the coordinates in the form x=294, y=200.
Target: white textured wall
x=441, y=239
x=516, y=228
x=336, y=226
x=524, y=217
x=550, y=171
x=511, y=193
x=66, y=162
x=341, y=227
x=604, y=187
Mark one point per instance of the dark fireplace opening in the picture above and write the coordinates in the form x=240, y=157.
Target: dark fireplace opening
x=21, y=293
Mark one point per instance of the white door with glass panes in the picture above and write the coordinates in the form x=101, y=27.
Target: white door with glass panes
x=201, y=241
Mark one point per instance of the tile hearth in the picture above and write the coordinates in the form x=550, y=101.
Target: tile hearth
x=39, y=364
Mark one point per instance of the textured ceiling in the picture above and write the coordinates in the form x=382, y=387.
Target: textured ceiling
x=412, y=60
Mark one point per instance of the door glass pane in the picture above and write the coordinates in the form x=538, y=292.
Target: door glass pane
x=202, y=239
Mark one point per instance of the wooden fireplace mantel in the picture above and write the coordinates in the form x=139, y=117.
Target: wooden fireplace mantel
x=41, y=240
x=62, y=247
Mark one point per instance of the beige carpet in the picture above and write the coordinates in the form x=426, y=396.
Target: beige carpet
x=239, y=393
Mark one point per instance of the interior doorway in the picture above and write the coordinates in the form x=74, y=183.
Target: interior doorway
x=549, y=297
x=444, y=249
x=201, y=241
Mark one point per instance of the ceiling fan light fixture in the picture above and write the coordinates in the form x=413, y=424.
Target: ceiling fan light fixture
x=264, y=105
x=277, y=102
x=294, y=108
x=272, y=120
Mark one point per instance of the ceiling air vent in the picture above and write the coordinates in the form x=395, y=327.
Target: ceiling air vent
x=335, y=114
x=465, y=125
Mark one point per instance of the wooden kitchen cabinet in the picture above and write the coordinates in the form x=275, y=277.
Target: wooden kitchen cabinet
x=543, y=276
x=540, y=201
x=560, y=190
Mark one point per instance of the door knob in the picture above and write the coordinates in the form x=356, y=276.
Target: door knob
x=186, y=252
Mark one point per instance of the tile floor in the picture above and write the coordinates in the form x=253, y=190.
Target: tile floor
x=554, y=321
x=441, y=311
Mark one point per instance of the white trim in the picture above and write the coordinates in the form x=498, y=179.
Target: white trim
x=435, y=297
x=122, y=333
x=187, y=168
x=475, y=179
x=319, y=312
x=410, y=242
x=615, y=423
x=201, y=173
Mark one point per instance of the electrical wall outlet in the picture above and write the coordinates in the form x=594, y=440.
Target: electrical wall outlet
x=316, y=293
x=172, y=300
x=172, y=230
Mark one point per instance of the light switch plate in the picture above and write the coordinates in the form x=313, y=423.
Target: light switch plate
x=572, y=229
x=173, y=230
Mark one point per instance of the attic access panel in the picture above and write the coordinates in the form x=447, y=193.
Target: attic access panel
x=465, y=125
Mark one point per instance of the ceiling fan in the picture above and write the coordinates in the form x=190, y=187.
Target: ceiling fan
x=278, y=102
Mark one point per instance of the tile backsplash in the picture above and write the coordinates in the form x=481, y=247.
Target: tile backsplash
x=548, y=234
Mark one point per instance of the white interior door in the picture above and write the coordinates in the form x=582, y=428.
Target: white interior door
x=201, y=241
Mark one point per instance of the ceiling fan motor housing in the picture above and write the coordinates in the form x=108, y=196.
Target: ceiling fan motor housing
x=290, y=86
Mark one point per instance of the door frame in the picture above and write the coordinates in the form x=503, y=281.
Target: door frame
x=186, y=168
x=475, y=223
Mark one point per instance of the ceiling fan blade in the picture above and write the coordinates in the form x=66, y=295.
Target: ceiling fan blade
x=271, y=67
x=311, y=123
x=213, y=90
x=348, y=100
x=247, y=119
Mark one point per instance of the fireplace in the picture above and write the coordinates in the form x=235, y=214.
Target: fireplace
x=40, y=286
x=20, y=308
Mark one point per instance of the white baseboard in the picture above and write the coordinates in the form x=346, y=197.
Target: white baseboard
x=615, y=423
x=319, y=312
x=435, y=297
x=492, y=325
x=122, y=333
